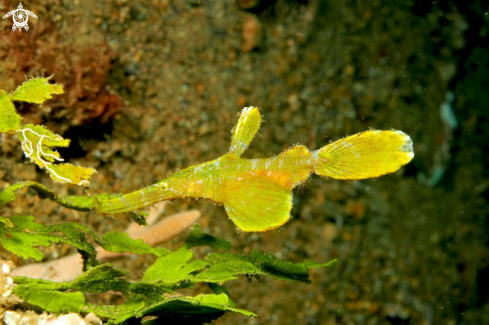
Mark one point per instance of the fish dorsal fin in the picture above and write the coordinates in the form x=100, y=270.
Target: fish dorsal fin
x=245, y=130
x=256, y=204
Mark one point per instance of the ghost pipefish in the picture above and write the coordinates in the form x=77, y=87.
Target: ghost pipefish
x=257, y=193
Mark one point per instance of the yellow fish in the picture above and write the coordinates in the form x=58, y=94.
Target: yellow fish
x=257, y=193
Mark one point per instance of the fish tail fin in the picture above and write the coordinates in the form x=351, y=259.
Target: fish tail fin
x=364, y=155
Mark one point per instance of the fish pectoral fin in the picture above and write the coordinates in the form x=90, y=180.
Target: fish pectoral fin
x=258, y=205
x=245, y=130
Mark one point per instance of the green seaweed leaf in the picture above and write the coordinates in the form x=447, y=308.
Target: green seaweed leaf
x=49, y=298
x=9, y=118
x=7, y=196
x=198, y=238
x=101, y=278
x=36, y=91
x=117, y=242
x=174, y=267
x=119, y=313
x=139, y=218
x=201, y=309
x=48, y=295
x=225, y=267
x=52, y=297
x=190, y=310
x=279, y=269
x=170, y=272
x=20, y=235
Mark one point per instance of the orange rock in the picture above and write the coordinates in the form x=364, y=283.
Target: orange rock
x=241, y=101
x=251, y=33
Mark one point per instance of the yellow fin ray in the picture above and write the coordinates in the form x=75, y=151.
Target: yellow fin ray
x=365, y=155
x=258, y=205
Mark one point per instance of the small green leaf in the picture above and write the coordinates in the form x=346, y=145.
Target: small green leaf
x=23, y=237
x=174, y=267
x=169, y=273
x=7, y=196
x=36, y=91
x=47, y=295
x=75, y=237
x=203, y=308
x=117, y=242
x=50, y=300
x=278, y=268
x=9, y=118
x=198, y=238
x=225, y=267
x=101, y=278
x=139, y=218
x=6, y=222
x=27, y=223
x=72, y=229
x=23, y=244
x=218, y=289
x=46, y=283
x=119, y=313
x=154, y=290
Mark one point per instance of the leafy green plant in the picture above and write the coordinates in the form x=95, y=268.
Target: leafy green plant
x=156, y=292
x=171, y=271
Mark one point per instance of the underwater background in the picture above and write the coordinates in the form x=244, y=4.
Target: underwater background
x=156, y=86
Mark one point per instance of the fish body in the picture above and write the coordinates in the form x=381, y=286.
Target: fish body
x=257, y=193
